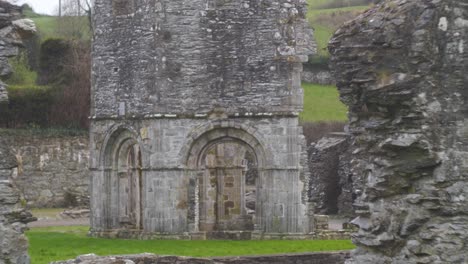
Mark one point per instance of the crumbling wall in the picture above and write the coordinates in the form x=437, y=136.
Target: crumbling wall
x=307, y=258
x=52, y=167
x=13, y=218
x=402, y=70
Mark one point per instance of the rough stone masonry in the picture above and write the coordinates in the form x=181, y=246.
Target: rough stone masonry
x=402, y=70
x=13, y=218
x=195, y=130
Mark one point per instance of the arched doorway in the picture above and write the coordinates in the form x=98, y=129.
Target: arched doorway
x=129, y=184
x=227, y=182
x=226, y=167
x=124, y=181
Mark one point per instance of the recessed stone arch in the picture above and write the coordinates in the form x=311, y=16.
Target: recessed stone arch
x=219, y=161
x=201, y=136
x=122, y=162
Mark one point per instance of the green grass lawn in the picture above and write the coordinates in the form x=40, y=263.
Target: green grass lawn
x=321, y=103
x=60, y=243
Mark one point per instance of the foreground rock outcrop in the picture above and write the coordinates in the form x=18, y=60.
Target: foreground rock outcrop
x=13, y=28
x=401, y=69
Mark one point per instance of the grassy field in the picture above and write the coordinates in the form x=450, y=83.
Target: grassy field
x=326, y=21
x=60, y=243
x=321, y=103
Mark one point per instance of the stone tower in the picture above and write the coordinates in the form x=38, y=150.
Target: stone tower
x=195, y=129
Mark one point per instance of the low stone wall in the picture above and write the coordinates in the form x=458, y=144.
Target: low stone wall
x=52, y=170
x=323, y=77
x=307, y=258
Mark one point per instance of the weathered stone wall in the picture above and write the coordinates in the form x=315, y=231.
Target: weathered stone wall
x=192, y=57
x=52, y=169
x=402, y=70
x=308, y=258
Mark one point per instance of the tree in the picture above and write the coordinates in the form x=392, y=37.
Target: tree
x=74, y=20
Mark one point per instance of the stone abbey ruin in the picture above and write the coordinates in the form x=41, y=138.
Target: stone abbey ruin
x=195, y=130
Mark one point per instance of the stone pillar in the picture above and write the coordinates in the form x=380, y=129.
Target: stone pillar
x=402, y=70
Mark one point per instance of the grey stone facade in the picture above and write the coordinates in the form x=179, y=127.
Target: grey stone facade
x=194, y=112
x=52, y=169
x=402, y=70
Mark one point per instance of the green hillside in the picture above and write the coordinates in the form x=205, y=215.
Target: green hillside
x=76, y=27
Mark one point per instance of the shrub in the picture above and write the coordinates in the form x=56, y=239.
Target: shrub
x=22, y=75
x=28, y=106
x=55, y=54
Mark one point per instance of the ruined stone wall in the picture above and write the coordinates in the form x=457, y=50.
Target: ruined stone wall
x=310, y=258
x=402, y=70
x=52, y=169
x=13, y=218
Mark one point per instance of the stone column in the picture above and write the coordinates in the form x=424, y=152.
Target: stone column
x=402, y=70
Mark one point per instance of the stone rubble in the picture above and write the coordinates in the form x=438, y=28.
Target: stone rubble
x=306, y=258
